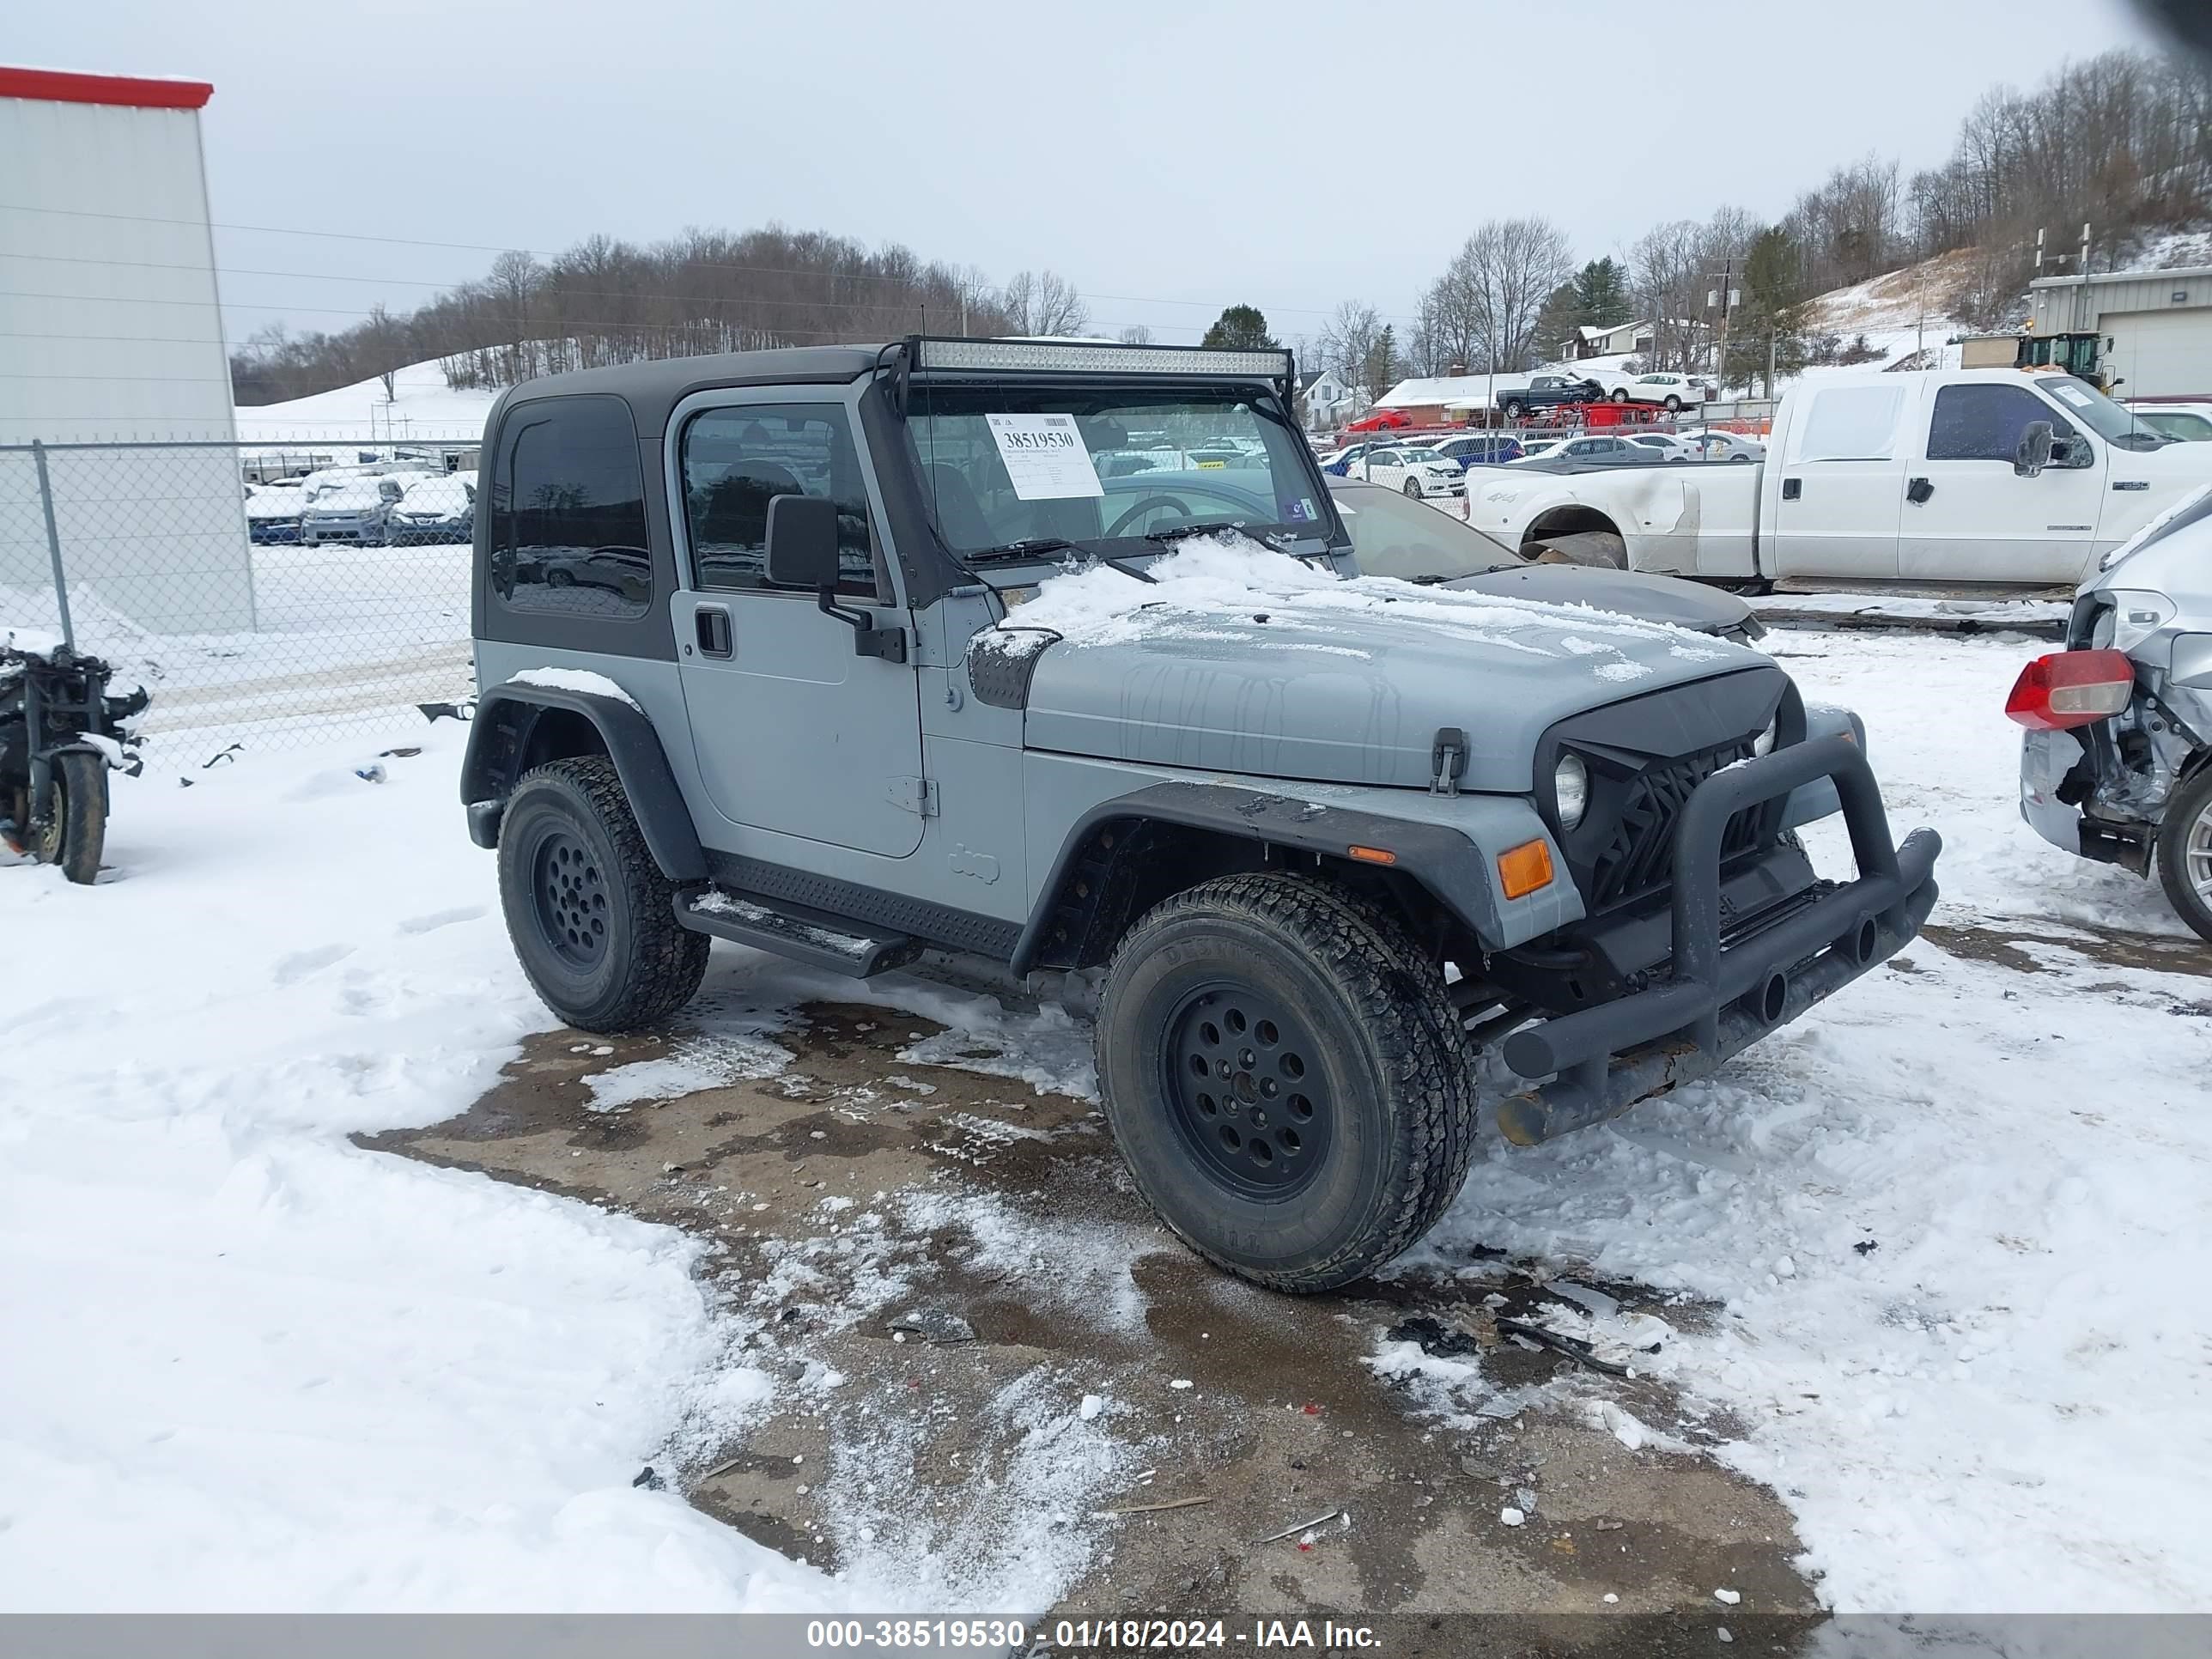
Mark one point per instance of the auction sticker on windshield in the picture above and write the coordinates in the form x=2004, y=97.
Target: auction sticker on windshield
x=1046, y=457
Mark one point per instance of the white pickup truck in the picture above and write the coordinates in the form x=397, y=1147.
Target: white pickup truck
x=1944, y=475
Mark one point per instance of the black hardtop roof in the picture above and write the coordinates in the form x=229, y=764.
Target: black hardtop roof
x=654, y=387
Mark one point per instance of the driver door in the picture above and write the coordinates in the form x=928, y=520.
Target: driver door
x=795, y=733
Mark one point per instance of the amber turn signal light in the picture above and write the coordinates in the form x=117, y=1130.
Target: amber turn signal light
x=1525, y=868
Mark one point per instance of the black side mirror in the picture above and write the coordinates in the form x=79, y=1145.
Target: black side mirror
x=2036, y=445
x=802, y=552
x=802, y=542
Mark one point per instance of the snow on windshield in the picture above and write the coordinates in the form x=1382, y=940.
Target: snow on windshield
x=1217, y=587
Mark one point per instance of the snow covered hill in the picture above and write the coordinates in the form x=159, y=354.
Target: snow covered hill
x=420, y=405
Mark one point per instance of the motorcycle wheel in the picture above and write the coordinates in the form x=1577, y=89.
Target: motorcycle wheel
x=75, y=829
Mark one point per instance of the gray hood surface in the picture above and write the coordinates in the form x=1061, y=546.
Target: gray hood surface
x=1240, y=659
x=1654, y=598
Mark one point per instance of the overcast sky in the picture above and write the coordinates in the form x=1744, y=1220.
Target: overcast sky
x=1169, y=159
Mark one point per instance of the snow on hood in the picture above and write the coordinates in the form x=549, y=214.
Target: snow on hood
x=1238, y=659
x=1211, y=587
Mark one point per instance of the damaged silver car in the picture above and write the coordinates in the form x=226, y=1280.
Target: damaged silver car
x=2116, y=764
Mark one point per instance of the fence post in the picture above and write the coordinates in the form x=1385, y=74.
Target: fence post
x=53, y=542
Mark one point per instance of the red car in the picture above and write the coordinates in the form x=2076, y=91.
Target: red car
x=1381, y=420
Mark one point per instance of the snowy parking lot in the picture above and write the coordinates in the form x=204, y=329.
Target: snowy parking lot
x=335, y=1277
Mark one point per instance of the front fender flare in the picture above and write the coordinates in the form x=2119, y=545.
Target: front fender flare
x=500, y=737
x=1450, y=863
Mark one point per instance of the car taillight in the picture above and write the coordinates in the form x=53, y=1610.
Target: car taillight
x=2071, y=688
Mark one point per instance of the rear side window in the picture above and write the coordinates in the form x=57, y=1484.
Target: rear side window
x=567, y=510
x=1850, y=423
x=1986, y=422
x=736, y=461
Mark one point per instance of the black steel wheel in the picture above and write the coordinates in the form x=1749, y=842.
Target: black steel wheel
x=570, y=891
x=591, y=917
x=1246, y=1091
x=1284, y=1076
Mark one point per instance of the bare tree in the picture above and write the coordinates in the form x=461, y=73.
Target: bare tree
x=1486, y=302
x=1347, y=345
x=1136, y=334
x=1043, y=302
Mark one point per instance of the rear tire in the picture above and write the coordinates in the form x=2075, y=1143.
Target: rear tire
x=1514, y=412
x=1336, y=1115
x=2185, y=852
x=592, y=919
x=75, y=827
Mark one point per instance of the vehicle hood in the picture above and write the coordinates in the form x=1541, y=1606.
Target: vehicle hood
x=1240, y=659
x=1651, y=599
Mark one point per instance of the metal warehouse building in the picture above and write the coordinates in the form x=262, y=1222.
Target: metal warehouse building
x=2157, y=326
x=110, y=330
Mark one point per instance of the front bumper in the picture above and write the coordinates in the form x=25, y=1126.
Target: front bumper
x=1729, y=988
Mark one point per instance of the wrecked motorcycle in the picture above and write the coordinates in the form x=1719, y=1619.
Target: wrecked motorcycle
x=60, y=735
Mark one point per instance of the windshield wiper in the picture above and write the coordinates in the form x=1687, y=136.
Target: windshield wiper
x=1032, y=547
x=1170, y=534
x=1037, y=547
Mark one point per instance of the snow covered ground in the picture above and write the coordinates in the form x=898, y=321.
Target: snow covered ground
x=420, y=405
x=1958, y=1221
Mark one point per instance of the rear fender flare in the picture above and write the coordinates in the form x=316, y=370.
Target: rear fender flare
x=500, y=742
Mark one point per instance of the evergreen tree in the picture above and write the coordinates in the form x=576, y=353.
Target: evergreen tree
x=1240, y=328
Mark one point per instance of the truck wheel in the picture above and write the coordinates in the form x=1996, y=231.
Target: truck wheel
x=1514, y=410
x=2185, y=852
x=75, y=827
x=592, y=919
x=1285, y=1077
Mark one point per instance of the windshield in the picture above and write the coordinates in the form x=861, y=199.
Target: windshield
x=2099, y=413
x=1002, y=465
x=1394, y=535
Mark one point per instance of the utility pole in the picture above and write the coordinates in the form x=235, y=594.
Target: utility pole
x=1726, y=298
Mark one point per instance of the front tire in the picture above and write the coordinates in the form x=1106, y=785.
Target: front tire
x=591, y=918
x=2185, y=852
x=1336, y=1116
x=1413, y=488
x=74, y=829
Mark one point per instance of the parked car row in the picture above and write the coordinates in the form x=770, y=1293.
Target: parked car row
x=373, y=505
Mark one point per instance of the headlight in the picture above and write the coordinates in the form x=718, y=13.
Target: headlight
x=1764, y=742
x=1570, y=789
x=2137, y=613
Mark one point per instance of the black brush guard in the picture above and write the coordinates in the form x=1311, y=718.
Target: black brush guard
x=1724, y=996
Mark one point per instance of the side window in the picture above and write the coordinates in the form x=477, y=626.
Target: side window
x=1850, y=423
x=738, y=460
x=567, y=510
x=1986, y=422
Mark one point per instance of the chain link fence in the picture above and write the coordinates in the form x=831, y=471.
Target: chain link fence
x=269, y=594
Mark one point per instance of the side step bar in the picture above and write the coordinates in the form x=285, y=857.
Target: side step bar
x=813, y=936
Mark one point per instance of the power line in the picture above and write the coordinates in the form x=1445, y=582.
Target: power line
x=548, y=253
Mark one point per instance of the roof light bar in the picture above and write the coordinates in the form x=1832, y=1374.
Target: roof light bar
x=1092, y=357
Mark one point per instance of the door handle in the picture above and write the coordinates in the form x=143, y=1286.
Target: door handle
x=712, y=623
x=1918, y=491
x=1793, y=488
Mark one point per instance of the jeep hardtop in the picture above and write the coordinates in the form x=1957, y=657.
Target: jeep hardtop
x=1056, y=654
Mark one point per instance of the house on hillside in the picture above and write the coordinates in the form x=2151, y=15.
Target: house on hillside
x=1622, y=340
x=1325, y=403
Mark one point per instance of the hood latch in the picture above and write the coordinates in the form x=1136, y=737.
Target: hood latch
x=1447, y=760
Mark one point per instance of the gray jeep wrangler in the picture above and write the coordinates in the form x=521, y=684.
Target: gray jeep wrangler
x=751, y=646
